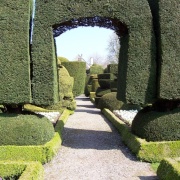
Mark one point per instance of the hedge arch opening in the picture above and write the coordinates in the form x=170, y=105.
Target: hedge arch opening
x=97, y=45
x=86, y=25
x=137, y=68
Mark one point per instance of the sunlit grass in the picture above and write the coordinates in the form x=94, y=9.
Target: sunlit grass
x=155, y=166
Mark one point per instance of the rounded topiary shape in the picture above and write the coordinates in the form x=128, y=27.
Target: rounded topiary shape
x=19, y=129
x=65, y=92
x=62, y=59
x=157, y=126
x=66, y=83
x=110, y=102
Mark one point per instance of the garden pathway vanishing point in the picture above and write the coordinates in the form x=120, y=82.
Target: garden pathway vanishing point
x=92, y=149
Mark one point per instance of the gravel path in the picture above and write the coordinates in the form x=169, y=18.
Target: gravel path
x=92, y=149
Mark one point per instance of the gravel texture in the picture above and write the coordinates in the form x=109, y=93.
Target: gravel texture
x=92, y=150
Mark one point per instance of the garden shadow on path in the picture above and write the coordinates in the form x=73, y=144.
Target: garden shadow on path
x=92, y=149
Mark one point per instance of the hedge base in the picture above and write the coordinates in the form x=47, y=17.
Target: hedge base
x=21, y=170
x=42, y=153
x=145, y=151
x=169, y=169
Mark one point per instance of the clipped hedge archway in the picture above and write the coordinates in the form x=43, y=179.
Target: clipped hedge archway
x=137, y=67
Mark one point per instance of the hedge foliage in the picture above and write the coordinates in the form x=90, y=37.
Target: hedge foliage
x=21, y=170
x=166, y=22
x=145, y=151
x=14, y=52
x=169, y=19
x=101, y=92
x=65, y=91
x=105, y=83
x=96, y=69
x=95, y=85
x=62, y=59
x=132, y=21
x=136, y=15
x=107, y=76
x=25, y=129
x=91, y=84
x=109, y=101
x=42, y=153
x=169, y=169
x=112, y=68
x=77, y=70
x=157, y=126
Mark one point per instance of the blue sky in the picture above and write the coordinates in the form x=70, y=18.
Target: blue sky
x=83, y=40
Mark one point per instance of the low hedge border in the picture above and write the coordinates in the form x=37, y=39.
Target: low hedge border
x=92, y=99
x=169, y=169
x=92, y=95
x=23, y=170
x=41, y=153
x=145, y=151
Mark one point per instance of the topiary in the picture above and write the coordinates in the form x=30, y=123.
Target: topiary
x=77, y=70
x=110, y=102
x=65, y=92
x=96, y=69
x=86, y=90
x=104, y=83
x=131, y=107
x=88, y=84
x=101, y=92
x=62, y=59
x=95, y=85
x=107, y=76
x=112, y=68
x=19, y=129
x=157, y=126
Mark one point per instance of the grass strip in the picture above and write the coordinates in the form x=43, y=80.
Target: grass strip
x=145, y=151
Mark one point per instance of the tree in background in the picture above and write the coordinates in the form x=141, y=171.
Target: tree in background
x=113, y=49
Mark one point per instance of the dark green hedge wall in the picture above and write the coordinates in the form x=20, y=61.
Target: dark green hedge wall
x=78, y=71
x=169, y=13
x=112, y=68
x=136, y=16
x=107, y=76
x=14, y=52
